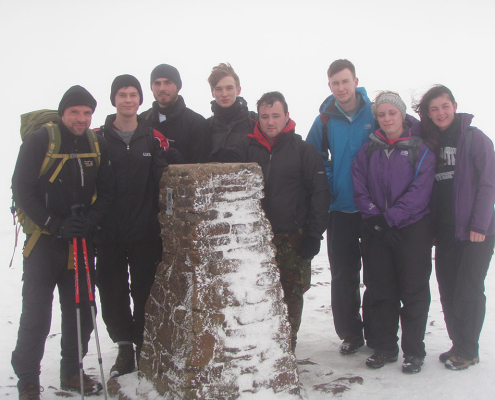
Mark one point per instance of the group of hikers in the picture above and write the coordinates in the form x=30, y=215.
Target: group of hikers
x=385, y=186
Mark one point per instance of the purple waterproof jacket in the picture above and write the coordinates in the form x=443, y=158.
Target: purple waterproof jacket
x=386, y=184
x=474, y=183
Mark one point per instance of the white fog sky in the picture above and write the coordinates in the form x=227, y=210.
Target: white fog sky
x=405, y=46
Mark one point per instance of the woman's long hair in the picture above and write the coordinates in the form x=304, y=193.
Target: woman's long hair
x=429, y=131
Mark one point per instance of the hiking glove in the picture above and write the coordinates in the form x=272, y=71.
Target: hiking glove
x=173, y=156
x=71, y=227
x=392, y=237
x=376, y=224
x=75, y=226
x=310, y=247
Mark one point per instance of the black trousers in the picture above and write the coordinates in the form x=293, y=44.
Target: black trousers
x=115, y=261
x=399, y=275
x=45, y=268
x=344, y=255
x=461, y=268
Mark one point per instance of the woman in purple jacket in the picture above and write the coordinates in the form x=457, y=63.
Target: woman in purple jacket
x=463, y=219
x=393, y=177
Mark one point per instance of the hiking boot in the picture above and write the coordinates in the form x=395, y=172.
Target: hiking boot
x=30, y=391
x=457, y=363
x=351, y=345
x=73, y=383
x=124, y=364
x=378, y=360
x=412, y=365
x=445, y=356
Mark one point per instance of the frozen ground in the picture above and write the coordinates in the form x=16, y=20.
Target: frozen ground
x=317, y=351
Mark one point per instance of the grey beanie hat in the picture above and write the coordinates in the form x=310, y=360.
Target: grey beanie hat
x=391, y=98
x=167, y=72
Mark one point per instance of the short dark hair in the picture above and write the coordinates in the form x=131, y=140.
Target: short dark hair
x=268, y=99
x=340, y=65
x=221, y=71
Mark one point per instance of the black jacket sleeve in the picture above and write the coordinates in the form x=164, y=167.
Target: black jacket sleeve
x=316, y=183
x=105, y=184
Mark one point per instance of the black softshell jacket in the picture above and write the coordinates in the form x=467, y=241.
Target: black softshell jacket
x=296, y=188
x=184, y=129
x=137, y=168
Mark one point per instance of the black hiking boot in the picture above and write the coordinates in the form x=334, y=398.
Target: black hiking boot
x=124, y=364
x=445, y=356
x=378, y=360
x=412, y=365
x=30, y=391
x=73, y=383
x=351, y=344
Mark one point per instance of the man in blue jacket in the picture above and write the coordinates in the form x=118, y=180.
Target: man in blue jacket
x=343, y=126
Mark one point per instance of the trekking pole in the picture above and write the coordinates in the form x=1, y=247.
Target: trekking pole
x=93, y=315
x=78, y=317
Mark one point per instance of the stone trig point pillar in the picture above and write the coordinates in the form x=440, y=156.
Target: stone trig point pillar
x=216, y=324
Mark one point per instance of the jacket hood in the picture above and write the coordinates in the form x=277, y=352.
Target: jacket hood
x=261, y=137
x=466, y=120
x=331, y=98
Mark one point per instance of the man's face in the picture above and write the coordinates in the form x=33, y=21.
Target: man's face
x=272, y=119
x=165, y=92
x=226, y=91
x=343, y=86
x=127, y=101
x=77, y=119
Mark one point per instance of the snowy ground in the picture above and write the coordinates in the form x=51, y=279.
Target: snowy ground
x=317, y=346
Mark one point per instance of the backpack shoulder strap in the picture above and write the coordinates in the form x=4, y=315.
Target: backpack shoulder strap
x=415, y=143
x=54, y=142
x=94, y=146
x=325, y=145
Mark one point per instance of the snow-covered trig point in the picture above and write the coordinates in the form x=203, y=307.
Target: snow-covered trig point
x=216, y=324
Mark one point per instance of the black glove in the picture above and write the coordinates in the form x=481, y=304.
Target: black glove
x=224, y=155
x=173, y=156
x=392, y=237
x=377, y=225
x=75, y=226
x=310, y=247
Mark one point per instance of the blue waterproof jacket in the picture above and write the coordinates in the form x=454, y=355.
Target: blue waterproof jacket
x=345, y=139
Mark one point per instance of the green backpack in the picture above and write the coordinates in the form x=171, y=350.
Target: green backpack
x=31, y=122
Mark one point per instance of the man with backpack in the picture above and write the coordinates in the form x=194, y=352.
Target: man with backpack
x=231, y=119
x=184, y=128
x=343, y=126
x=129, y=239
x=48, y=190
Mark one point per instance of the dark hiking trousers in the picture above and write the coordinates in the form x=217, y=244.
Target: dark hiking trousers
x=45, y=268
x=344, y=255
x=115, y=261
x=461, y=268
x=396, y=275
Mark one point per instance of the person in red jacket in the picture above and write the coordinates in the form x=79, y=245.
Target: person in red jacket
x=297, y=196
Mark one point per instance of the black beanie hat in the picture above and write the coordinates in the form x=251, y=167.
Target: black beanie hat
x=125, y=81
x=167, y=72
x=76, y=96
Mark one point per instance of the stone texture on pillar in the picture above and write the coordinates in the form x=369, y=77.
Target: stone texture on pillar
x=216, y=324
